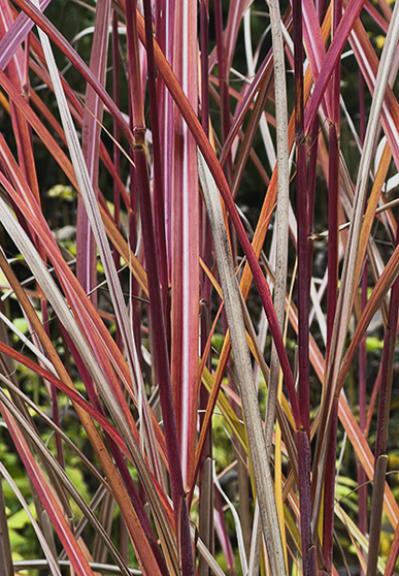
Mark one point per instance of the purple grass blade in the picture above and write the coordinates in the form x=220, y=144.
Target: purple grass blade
x=86, y=264
x=158, y=194
x=303, y=441
x=185, y=244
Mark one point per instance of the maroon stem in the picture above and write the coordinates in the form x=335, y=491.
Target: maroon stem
x=204, y=32
x=158, y=196
x=223, y=78
x=116, y=155
x=383, y=421
x=303, y=222
x=361, y=475
x=302, y=200
x=305, y=499
x=332, y=292
x=332, y=248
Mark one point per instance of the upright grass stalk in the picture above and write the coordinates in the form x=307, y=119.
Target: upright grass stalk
x=302, y=219
x=158, y=195
x=207, y=493
x=281, y=264
x=381, y=443
x=302, y=200
x=165, y=34
x=185, y=243
x=332, y=286
x=116, y=90
x=86, y=267
x=5, y=548
x=363, y=408
x=223, y=76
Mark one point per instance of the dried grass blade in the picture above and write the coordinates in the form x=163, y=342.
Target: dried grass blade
x=232, y=300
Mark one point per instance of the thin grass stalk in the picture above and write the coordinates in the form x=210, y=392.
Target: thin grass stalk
x=222, y=533
x=204, y=42
x=136, y=122
x=312, y=185
x=362, y=108
x=333, y=238
x=302, y=219
x=361, y=476
x=6, y=566
x=281, y=263
x=98, y=567
x=158, y=193
x=206, y=506
x=333, y=184
x=244, y=499
x=116, y=90
x=86, y=264
x=53, y=394
x=381, y=442
x=305, y=499
x=106, y=511
x=332, y=287
x=363, y=407
x=223, y=73
x=304, y=453
x=165, y=33
x=206, y=499
x=393, y=555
